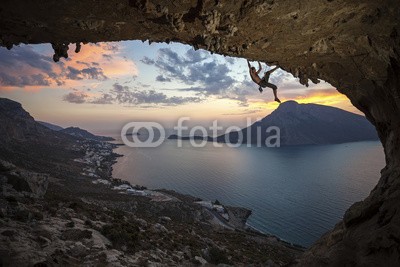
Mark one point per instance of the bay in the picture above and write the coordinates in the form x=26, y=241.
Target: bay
x=296, y=193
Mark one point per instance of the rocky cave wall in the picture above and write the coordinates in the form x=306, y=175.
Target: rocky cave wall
x=354, y=45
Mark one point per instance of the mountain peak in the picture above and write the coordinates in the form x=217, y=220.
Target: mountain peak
x=289, y=105
x=306, y=124
x=16, y=123
x=5, y=102
x=13, y=109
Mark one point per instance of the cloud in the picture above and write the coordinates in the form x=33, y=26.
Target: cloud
x=324, y=96
x=310, y=93
x=245, y=112
x=107, y=57
x=203, y=73
x=26, y=66
x=73, y=73
x=280, y=77
x=161, y=78
x=93, y=73
x=83, y=63
x=85, y=73
x=22, y=66
x=120, y=88
x=153, y=97
x=147, y=61
x=194, y=56
x=208, y=75
x=14, y=57
x=103, y=99
x=75, y=97
x=21, y=81
x=230, y=60
x=238, y=91
x=114, y=47
x=126, y=95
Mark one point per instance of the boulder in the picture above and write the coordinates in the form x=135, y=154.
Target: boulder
x=6, y=166
x=30, y=183
x=159, y=228
x=76, y=234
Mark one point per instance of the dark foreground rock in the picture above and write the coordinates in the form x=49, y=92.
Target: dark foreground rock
x=27, y=183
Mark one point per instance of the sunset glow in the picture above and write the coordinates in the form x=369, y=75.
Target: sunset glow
x=108, y=84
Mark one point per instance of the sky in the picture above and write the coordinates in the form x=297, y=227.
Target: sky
x=106, y=85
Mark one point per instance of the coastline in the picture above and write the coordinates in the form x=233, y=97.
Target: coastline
x=126, y=187
x=243, y=226
x=252, y=178
x=167, y=195
x=78, y=214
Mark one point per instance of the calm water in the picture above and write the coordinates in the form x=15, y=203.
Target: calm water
x=296, y=193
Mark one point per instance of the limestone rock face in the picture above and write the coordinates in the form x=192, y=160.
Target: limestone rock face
x=16, y=123
x=354, y=45
x=27, y=183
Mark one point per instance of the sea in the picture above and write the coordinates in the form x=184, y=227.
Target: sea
x=296, y=193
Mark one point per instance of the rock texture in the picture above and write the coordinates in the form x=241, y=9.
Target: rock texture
x=51, y=126
x=354, y=45
x=17, y=124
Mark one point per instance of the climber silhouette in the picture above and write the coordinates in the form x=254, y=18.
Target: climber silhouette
x=262, y=83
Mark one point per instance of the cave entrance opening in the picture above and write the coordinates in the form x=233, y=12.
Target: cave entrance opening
x=107, y=84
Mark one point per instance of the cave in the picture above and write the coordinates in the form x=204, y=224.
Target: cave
x=353, y=45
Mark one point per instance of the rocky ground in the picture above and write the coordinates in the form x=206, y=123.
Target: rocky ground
x=76, y=214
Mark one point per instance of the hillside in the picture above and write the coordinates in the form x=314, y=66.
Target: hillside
x=59, y=205
x=78, y=132
x=308, y=124
x=51, y=126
